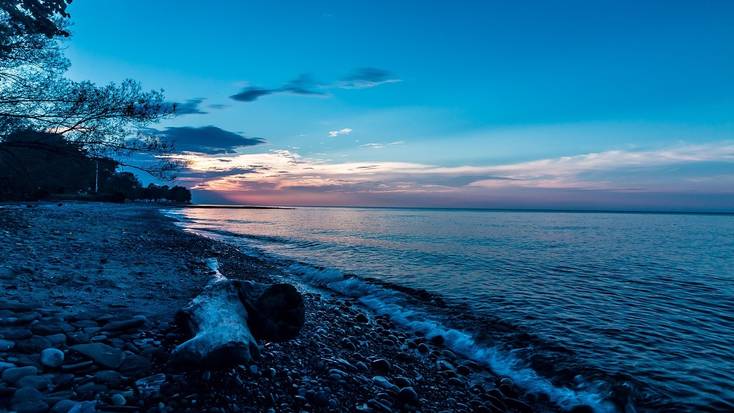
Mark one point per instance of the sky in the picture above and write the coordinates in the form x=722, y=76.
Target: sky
x=492, y=104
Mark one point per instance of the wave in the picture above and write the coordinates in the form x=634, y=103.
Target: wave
x=506, y=363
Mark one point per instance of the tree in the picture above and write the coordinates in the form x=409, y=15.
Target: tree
x=179, y=194
x=34, y=94
x=33, y=17
x=35, y=164
x=123, y=184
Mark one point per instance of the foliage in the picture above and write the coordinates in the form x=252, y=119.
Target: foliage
x=35, y=94
x=35, y=164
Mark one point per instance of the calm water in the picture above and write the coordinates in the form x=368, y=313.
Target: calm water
x=627, y=312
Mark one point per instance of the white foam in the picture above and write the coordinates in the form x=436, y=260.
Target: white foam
x=504, y=363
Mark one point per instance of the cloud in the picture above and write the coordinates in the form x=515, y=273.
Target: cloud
x=302, y=85
x=189, y=107
x=343, y=131
x=218, y=105
x=252, y=93
x=205, y=140
x=362, y=78
x=367, y=77
x=373, y=145
x=599, y=171
x=376, y=145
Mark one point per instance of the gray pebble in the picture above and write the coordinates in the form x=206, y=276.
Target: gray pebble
x=52, y=357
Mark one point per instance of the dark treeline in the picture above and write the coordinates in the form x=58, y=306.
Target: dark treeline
x=38, y=165
x=61, y=137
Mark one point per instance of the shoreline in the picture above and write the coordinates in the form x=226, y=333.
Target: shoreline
x=344, y=359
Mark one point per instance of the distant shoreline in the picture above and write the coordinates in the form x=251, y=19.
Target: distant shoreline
x=544, y=210
x=210, y=206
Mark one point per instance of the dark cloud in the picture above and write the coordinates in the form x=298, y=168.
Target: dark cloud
x=302, y=85
x=362, y=78
x=218, y=105
x=367, y=77
x=250, y=94
x=189, y=107
x=207, y=139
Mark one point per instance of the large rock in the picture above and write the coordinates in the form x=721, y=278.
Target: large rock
x=102, y=354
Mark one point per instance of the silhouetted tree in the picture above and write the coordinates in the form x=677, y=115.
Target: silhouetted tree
x=124, y=185
x=34, y=94
x=34, y=164
x=179, y=194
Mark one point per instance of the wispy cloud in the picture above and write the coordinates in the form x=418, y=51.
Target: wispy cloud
x=377, y=145
x=189, y=107
x=343, y=131
x=367, y=77
x=304, y=84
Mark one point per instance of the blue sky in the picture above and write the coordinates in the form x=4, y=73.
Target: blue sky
x=493, y=104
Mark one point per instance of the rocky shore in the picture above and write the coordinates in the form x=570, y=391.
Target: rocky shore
x=87, y=324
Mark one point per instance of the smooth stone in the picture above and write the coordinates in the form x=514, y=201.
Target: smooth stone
x=129, y=324
x=26, y=394
x=150, y=386
x=408, y=395
x=18, y=307
x=52, y=357
x=77, y=366
x=444, y=365
x=102, y=354
x=78, y=337
x=37, y=382
x=583, y=408
x=109, y=377
x=13, y=374
x=401, y=381
x=57, y=339
x=437, y=340
x=118, y=400
x=385, y=384
x=135, y=365
x=4, y=365
x=518, y=405
x=6, y=345
x=381, y=367
x=90, y=389
x=32, y=345
x=63, y=406
x=16, y=333
x=37, y=406
x=46, y=328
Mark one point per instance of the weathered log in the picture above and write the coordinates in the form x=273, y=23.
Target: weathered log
x=229, y=315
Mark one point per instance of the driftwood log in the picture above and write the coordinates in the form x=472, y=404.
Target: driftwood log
x=227, y=318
